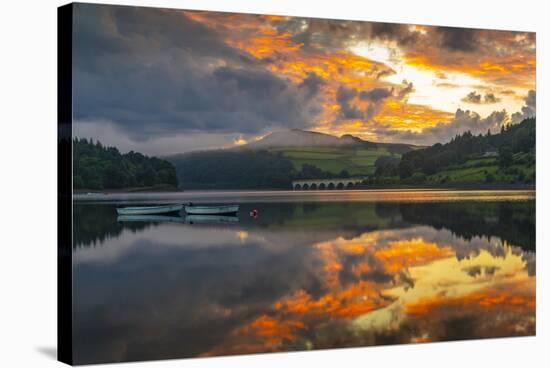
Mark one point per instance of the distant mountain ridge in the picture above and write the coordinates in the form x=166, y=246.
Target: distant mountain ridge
x=297, y=137
x=305, y=138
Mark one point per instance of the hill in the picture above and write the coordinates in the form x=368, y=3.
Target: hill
x=303, y=138
x=507, y=157
x=280, y=157
x=348, y=154
x=98, y=167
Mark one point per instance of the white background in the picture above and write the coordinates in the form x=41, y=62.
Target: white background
x=28, y=254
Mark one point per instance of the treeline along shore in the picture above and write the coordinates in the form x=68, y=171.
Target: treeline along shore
x=97, y=167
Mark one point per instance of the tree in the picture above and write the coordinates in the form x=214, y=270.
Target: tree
x=405, y=169
x=505, y=157
x=344, y=174
x=100, y=167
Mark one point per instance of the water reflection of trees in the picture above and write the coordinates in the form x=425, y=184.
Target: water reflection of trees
x=93, y=223
x=513, y=222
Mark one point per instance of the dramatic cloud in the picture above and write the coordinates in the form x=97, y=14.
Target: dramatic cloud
x=374, y=97
x=343, y=97
x=376, y=94
x=156, y=72
x=458, y=39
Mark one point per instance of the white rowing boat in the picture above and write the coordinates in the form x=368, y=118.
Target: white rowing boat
x=212, y=210
x=150, y=210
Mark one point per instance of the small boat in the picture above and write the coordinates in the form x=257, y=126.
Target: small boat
x=150, y=210
x=150, y=218
x=211, y=219
x=212, y=210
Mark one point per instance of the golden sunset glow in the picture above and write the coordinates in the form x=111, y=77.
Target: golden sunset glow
x=426, y=70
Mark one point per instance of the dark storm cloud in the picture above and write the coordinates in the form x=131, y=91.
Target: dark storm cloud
x=458, y=39
x=105, y=34
x=312, y=83
x=154, y=72
x=332, y=35
x=375, y=97
x=343, y=97
x=399, y=33
x=376, y=94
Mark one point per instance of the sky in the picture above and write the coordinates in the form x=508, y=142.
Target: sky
x=165, y=81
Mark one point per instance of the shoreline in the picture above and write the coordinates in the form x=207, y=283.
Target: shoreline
x=278, y=196
x=465, y=186
x=153, y=189
x=456, y=186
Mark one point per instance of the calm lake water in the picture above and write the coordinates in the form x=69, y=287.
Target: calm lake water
x=314, y=270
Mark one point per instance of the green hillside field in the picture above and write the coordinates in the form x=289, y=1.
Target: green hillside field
x=357, y=161
x=477, y=169
x=488, y=170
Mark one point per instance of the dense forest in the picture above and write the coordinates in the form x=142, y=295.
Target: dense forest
x=98, y=167
x=246, y=169
x=508, y=156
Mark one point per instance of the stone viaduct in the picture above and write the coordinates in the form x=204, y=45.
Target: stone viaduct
x=322, y=184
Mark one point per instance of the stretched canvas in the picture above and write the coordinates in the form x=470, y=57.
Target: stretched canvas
x=239, y=183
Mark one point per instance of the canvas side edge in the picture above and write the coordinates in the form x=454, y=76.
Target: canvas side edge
x=64, y=185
